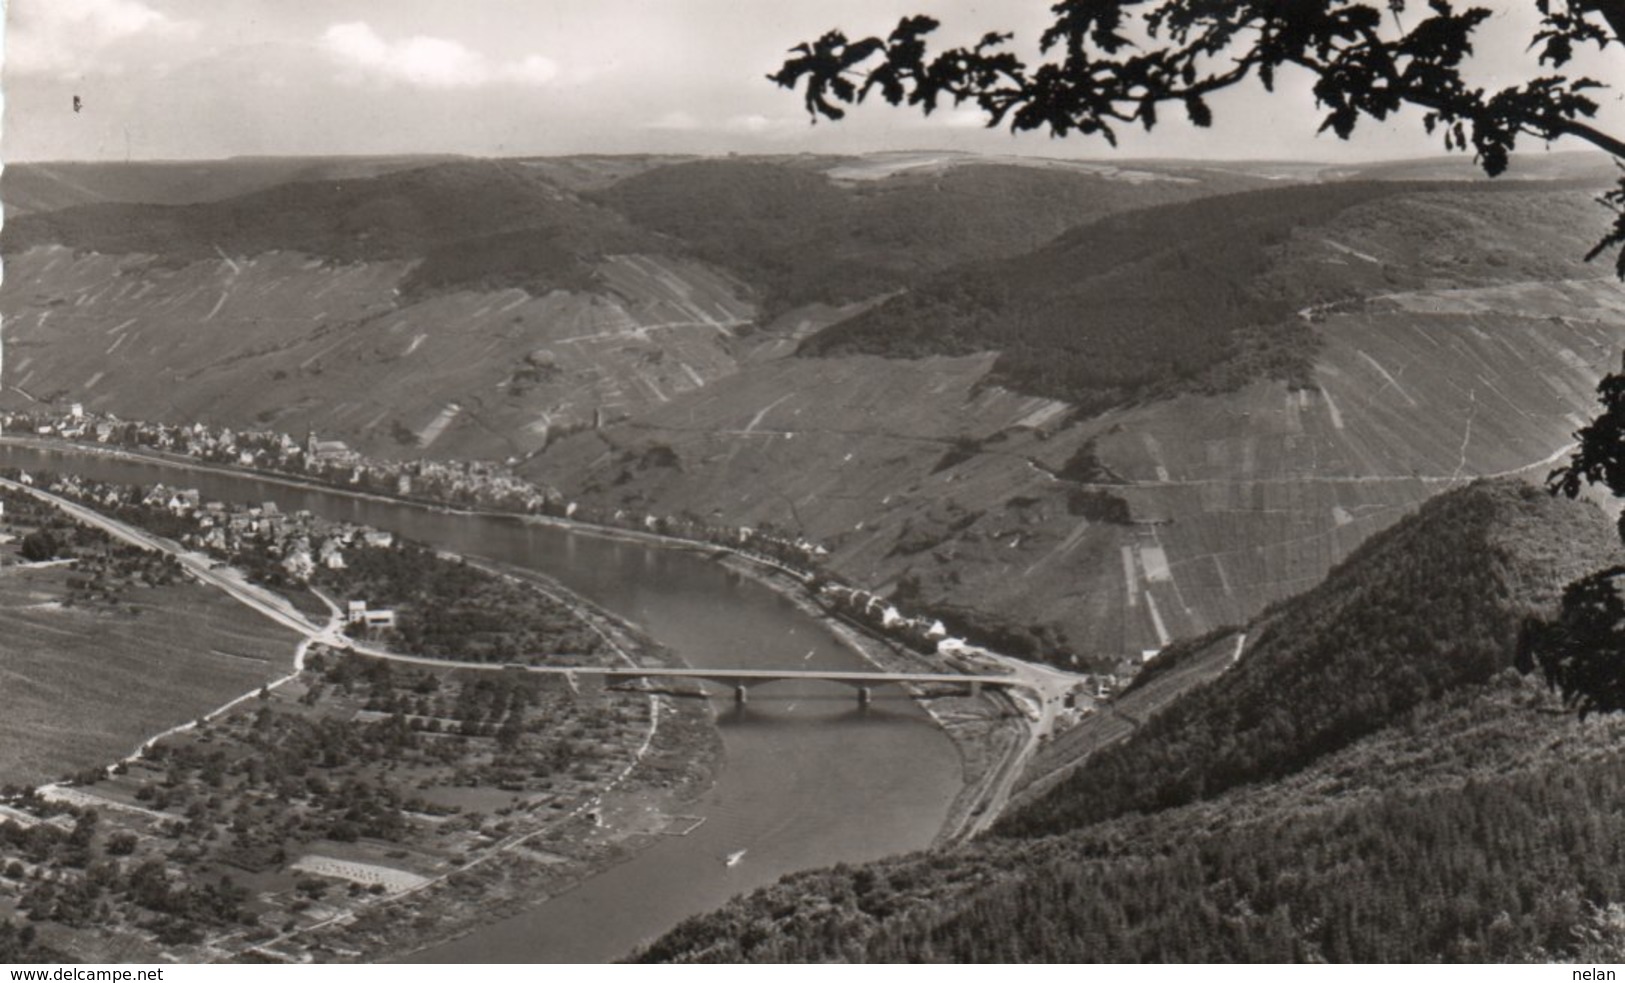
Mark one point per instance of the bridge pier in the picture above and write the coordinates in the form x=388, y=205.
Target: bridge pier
x=865, y=696
x=741, y=695
x=976, y=688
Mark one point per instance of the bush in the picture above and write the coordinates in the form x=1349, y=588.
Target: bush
x=40, y=545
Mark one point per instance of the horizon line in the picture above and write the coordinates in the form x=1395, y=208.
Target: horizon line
x=726, y=154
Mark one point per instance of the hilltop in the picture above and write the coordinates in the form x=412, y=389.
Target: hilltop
x=1206, y=295
x=487, y=224
x=1079, y=410
x=822, y=232
x=1420, y=610
x=333, y=294
x=50, y=185
x=1284, y=810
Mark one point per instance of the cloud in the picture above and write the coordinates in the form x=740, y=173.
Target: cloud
x=963, y=118
x=531, y=70
x=675, y=120
x=73, y=37
x=425, y=62
x=753, y=123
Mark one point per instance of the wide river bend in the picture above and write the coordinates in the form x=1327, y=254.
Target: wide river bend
x=807, y=779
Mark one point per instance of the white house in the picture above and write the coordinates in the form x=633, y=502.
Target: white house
x=298, y=564
x=330, y=555
x=359, y=614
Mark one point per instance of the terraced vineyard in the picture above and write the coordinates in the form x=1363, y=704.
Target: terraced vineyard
x=293, y=341
x=1236, y=500
x=631, y=327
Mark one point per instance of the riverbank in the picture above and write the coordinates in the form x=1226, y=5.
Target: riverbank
x=543, y=850
x=989, y=732
x=283, y=478
x=986, y=730
x=648, y=799
x=806, y=779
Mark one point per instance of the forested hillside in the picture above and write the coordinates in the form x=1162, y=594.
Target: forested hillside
x=1505, y=866
x=783, y=226
x=1427, y=606
x=1370, y=782
x=804, y=238
x=480, y=224
x=48, y=185
x=1205, y=295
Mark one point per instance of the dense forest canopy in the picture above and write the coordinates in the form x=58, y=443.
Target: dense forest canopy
x=1371, y=782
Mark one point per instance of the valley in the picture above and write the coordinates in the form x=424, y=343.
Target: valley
x=1371, y=744
x=1233, y=500
x=275, y=789
x=784, y=753
x=1170, y=431
x=690, y=378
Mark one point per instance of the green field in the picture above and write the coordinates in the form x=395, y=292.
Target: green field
x=83, y=686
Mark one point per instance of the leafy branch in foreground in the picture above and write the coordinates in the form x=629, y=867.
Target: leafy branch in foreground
x=1108, y=63
x=1581, y=651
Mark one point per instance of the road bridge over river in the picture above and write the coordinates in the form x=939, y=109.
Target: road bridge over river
x=1048, y=685
x=278, y=609
x=742, y=679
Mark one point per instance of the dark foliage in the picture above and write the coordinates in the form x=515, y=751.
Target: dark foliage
x=997, y=631
x=475, y=224
x=1085, y=467
x=1188, y=297
x=801, y=238
x=1502, y=868
x=40, y=545
x=455, y=610
x=178, y=907
x=1599, y=458
x=1368, y=60
x=21, y=944
x=536, y=260
x=961, y=449
x=1433, y=604
x=1581, y=652
x=1099, y=506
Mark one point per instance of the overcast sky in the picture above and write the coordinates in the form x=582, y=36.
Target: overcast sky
x=218, y=78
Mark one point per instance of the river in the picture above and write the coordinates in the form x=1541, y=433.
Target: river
x=807, y=779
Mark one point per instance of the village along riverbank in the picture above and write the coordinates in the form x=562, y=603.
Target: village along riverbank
x=806, y=777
